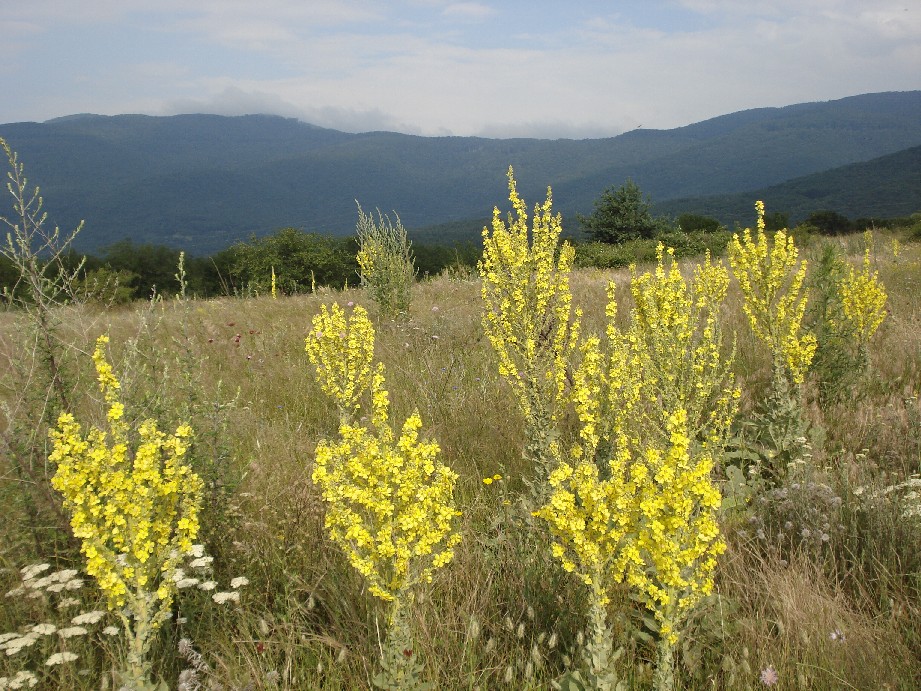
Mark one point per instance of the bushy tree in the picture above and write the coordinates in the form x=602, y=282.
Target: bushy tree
x=830, y=222
x=776, y=220
x=300, y=260
x=621, y=214
x=693, y=222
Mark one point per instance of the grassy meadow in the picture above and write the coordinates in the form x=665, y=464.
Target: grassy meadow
x=820, y=581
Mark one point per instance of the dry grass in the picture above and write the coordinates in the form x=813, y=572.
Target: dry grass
x=238, y=370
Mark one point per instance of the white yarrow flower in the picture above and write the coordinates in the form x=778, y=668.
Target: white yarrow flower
x=14, y=646
x=207, y=585
x=88, y=617
x=186, y=583
x=201, y=562
x=30, y=572
x=60, y=658
x=44, y=629
x=239, y=582
x=111, y=631
x=72, y=631
x=64, y=575
x=222, y=597
x=22, y=680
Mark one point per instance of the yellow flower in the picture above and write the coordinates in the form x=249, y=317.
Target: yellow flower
x=342, y=350
x=652, y=408
x=528, y=316
x=772, y=281
x=390, y=504
x=863, y=300
x=135, y=513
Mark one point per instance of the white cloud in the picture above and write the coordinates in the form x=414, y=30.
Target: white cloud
x=469, y=11
x=436, y=66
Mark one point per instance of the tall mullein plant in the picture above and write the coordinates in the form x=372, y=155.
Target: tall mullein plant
x=134, y=510
x=772, y=280
x=529, y=320
x=390, y=503
x=862, y=298
x=635, y=501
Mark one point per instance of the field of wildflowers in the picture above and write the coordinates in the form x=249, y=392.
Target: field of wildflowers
x=532, y=478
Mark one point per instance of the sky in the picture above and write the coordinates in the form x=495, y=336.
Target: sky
x=515, y=68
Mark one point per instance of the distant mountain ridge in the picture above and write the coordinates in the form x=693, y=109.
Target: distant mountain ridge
x=201, y=182
x=885, y=187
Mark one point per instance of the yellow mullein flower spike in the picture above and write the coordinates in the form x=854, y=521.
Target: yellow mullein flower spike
x=528, y=315
x=653, y=408
x=772, y=280
x=390, y=504
x=863, y=300
x=134, y=513
x=342, y=350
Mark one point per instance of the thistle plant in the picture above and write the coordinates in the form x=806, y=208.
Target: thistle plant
x=772, y=278
x=529, y=319
x=181, y=277
x=390, y=505
x=385, y=262
x=135, y=513
x=635, y=502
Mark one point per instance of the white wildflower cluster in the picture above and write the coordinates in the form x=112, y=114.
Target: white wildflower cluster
x=45, y=586
x=199, y=576
x=905, y=495
x=35, y=586
x=22, y=680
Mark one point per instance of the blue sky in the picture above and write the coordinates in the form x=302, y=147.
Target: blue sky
x=432, y=67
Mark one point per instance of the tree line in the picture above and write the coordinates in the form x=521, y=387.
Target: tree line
x=127, y=271
x=620, y=230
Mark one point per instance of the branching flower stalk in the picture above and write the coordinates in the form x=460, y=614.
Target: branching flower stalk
x=341, y=349
x=772, y=279
x=44, y=282
x=529, y=319
x=135, y=513
x=390, y=505
x=863, y=304
x=635, y=501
